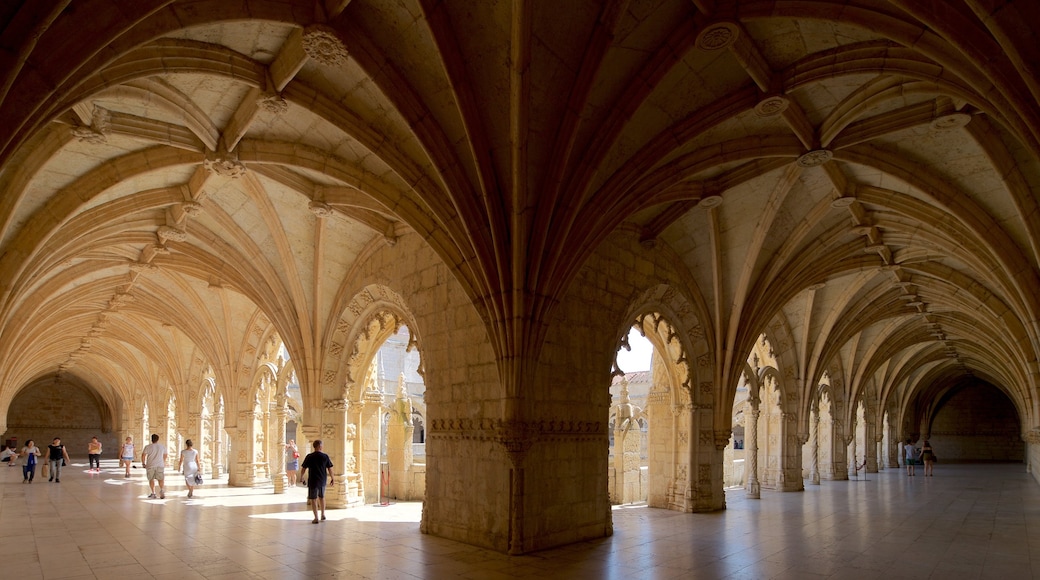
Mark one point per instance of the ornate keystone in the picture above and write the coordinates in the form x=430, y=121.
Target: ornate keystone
x=718, y=36
x=815, y=158
x=323, y=45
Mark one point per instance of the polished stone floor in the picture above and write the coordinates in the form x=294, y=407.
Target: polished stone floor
x=969, y=521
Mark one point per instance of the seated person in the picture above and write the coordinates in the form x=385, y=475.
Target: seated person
x=8, y=455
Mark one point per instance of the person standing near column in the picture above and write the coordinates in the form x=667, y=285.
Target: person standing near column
x=94, y=455
x=319, y=465
x=154, y=458
x=56, y=456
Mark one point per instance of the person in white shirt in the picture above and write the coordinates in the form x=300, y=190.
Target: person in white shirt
x=154, y=459
x=9, y=456
x=126, y=455
x=909, y=456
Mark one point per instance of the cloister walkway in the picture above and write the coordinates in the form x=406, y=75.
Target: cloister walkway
x=969, y=521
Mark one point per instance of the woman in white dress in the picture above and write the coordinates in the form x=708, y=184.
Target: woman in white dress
x=189, y=465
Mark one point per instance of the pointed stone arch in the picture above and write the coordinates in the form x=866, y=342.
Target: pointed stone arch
x=682, y=403
x=353, y=408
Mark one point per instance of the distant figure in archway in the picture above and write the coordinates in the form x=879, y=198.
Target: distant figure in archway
x=928, y=456
x=292, y=461
x=94, y=455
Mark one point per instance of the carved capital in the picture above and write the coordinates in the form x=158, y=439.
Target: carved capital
x=722, y=439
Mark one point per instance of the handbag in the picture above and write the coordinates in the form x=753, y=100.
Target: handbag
x=198, y=479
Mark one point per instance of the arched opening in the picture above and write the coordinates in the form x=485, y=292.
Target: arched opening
x=976, y=422
x=628, y=429
x=62, y=408
x=402, y=438
x=760, y=421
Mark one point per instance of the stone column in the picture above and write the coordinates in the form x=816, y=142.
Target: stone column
x=791, y=454
x=217, y=456
x=278, y=452
x=853, y=465
x=893, y=449
x=242, y=471
x=399, y=443
x=814, y=436
x=751, y=433
x=870, y=455
x=337, y=437
x=879, y=454
x=371, y=424
x=195, y=434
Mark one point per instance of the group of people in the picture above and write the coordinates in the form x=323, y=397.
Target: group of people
x=316, y=466
x=57, y=457
x=926, y=455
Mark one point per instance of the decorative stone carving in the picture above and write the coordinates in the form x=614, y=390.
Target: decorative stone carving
x=323, y=45
x=97, y=132
x=815, y=158
x=771, y=106
x=328, y=429
x=273, y=103
x=142, y=267
x=722, y=439
x=224, y=165
x=168, y=233
x=717, y=36
x=90, y=135
x=951, y=121
x=710, y=201
x=334, y=404
x=192, y=208
x=320, y=209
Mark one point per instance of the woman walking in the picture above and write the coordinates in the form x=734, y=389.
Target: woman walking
x=30, y=452
x=189, y=466
x=292, y=461
x=126, y=456
x=929, y=458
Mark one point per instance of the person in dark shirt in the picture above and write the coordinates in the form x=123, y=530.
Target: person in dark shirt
x=57, y=456
x=316, y=466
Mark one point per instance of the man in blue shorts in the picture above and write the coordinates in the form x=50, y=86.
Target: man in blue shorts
x=316, y=466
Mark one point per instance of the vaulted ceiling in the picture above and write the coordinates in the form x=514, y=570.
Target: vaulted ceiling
x=860, y=176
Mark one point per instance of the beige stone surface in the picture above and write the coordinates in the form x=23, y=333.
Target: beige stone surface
x=203, y=202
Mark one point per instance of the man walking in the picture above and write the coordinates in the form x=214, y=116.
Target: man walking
x=315, y=467
x=154, y=457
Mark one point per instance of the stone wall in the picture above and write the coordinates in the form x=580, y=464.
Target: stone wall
x=978, y=423
x=63, y=410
